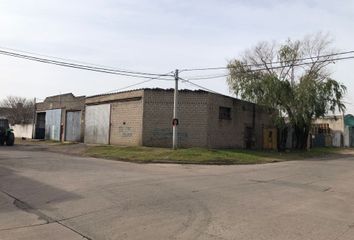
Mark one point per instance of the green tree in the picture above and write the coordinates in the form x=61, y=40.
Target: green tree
x=293, y=78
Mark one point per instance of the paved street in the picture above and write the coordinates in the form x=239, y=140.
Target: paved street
x=47, y=195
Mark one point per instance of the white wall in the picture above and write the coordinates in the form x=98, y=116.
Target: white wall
x=23, y=130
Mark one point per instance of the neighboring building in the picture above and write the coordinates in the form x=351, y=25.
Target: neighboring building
x=60, y=117
x=336, y=131
x=144, y=118
x=349, y=130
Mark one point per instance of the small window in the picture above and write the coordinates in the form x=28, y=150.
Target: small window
x=225, y=113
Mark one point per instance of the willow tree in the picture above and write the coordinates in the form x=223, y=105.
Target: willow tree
x=292, y=77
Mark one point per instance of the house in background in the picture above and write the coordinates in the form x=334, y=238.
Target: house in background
x=335, y=130
x=349, y=130
x=143, y=117
x=60, y=118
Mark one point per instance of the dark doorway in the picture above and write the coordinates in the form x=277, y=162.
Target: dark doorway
x=249, y=140
x=40, y=126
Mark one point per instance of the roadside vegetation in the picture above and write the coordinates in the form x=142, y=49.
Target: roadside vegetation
x=183, y=155
x=203, y=156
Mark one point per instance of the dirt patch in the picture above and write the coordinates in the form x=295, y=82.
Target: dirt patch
x=77, y=149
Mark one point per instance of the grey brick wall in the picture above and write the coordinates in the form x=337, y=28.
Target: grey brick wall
x=127, y=123
x=231, y=133
x=158, y=114
x=114, y=97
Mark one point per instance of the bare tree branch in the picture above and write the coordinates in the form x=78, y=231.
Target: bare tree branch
x=18, y=110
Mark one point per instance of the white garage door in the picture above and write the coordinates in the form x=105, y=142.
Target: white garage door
x=97, y=119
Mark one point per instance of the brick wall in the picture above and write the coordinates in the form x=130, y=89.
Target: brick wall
x=114, y=97
x=158, y=114
x=126, y=123
x=232, y=133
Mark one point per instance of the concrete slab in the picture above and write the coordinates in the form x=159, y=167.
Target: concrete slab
x=51, y=231
x=102, y=199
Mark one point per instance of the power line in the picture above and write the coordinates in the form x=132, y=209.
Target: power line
x=207, y=77
x=197, y=85
x=277, y=62
x=272, y=68
x=58, y=58
x=119, y=89
x=83, y=67
x=136, y=84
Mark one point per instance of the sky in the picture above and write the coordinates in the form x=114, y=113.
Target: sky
x=155, y=36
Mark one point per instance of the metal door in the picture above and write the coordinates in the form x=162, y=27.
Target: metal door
x=97, y=120
x=73, y=126
x=52, y=124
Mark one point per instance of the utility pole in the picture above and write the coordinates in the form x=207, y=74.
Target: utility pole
x=34, y=119
x=175, y=119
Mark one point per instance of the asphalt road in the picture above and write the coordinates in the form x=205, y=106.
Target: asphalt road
x=53, y=196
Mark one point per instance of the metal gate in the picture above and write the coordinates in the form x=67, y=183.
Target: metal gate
x=97, y=120
x=351, y=136
x=52, y=124
x=73, y=126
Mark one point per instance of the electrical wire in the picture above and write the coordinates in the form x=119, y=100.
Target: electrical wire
x=277, y=62
x=58, y=58
x=206, y=77
x=83, y=67
x=274, y=67
x=197, y=85
x=139, y=83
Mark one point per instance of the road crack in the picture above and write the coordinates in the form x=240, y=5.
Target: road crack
x=48, y=220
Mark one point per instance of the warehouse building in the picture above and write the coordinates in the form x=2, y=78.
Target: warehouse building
x=60, y=118
x=144, y=118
